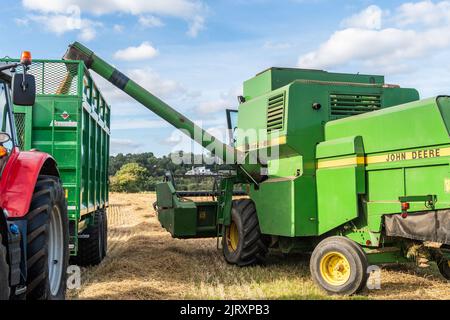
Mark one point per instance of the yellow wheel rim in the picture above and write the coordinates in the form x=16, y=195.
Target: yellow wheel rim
x=335, y=268
x=448, y=263
x=232, y=237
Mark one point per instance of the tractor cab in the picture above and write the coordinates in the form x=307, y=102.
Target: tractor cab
x=17, y=88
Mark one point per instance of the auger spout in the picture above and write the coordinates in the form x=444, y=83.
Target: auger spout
x=219, y=149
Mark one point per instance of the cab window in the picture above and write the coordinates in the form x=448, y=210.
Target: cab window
x=5, y=116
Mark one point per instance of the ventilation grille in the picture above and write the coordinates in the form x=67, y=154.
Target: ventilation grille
x=20, y=128
x=275, y=113
x=345, y=105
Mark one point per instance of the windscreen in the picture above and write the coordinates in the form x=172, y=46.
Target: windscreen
x=5, y=125
x=444, y=106
x=232, y=119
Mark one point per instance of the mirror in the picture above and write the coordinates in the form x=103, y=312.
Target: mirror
x=23, y=89
x=4, y=138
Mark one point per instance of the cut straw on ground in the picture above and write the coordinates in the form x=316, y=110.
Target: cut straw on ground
x=144, y=262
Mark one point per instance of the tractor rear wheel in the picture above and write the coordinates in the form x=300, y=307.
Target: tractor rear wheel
x=4, y=273
x=339, y=266
x=91, y=248
x=444, y=268
x=47, y=241
x=242, y=241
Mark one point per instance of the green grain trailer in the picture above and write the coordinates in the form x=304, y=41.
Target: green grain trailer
x=361, y=176
x=70, y=120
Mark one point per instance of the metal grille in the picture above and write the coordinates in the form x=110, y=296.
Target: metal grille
x=20, y=128
x=345, y=105
x=60, y=78
x=275, y=112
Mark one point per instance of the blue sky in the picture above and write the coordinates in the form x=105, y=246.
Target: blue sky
x=195, y=54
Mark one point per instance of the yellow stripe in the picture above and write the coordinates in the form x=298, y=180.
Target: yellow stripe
x=386, y=158
x=409, y=155
x=341, y=162
x=264, y=144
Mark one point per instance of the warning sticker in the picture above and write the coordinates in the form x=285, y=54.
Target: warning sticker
x=55, y=123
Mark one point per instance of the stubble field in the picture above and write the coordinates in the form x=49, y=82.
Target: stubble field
x=144, y=262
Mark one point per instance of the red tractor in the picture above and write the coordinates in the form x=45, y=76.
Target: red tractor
x=34, y=239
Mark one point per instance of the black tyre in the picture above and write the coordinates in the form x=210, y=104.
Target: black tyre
x=444, y=268
x=242, y=241
x=47, y=241
x=91, y=248
x=339, y=266
x=4, y=273
x=105, y=232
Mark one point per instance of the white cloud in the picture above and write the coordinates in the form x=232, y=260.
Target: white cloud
x=123, y=105
x=178, y=8
x=61, y=22
x=370, y=18
x=197, y=24
x=133, y=123
x=141, y=52
x=124, y=146
x=214, y=106
x=390, y=49
x=271, y=45
x=190, y=10
x=150, y=21
x=427, y=13
x=21, y=22
x=154, y=83
x=118, y=28
x=226, y=100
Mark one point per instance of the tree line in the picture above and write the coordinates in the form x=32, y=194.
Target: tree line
x=141, y=172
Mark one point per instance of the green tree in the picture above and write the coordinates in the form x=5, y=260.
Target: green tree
x=131, y=177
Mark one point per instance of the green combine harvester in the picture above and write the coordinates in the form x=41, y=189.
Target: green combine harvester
x=360, y=175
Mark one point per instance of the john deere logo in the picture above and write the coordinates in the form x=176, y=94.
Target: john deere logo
x=65, y=115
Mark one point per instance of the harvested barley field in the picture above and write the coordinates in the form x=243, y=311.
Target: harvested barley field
x=144, y=262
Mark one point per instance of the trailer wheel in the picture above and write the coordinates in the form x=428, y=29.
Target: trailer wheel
x=105, y=232
x=242, y=241
x=4, y=273
x=47, y=241
x=444, y=268
x=90, y=249
x=339, y=266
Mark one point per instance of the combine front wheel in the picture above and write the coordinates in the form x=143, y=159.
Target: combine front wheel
x=242, y=241
x=339, y=266
x=4, y=273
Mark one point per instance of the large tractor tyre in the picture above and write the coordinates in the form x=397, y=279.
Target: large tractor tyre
x=242, y=241
x=47, y=241
x=444, y=268
x=105, y=232
x=91, y=248
x=4, y=273
x=339, y=266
